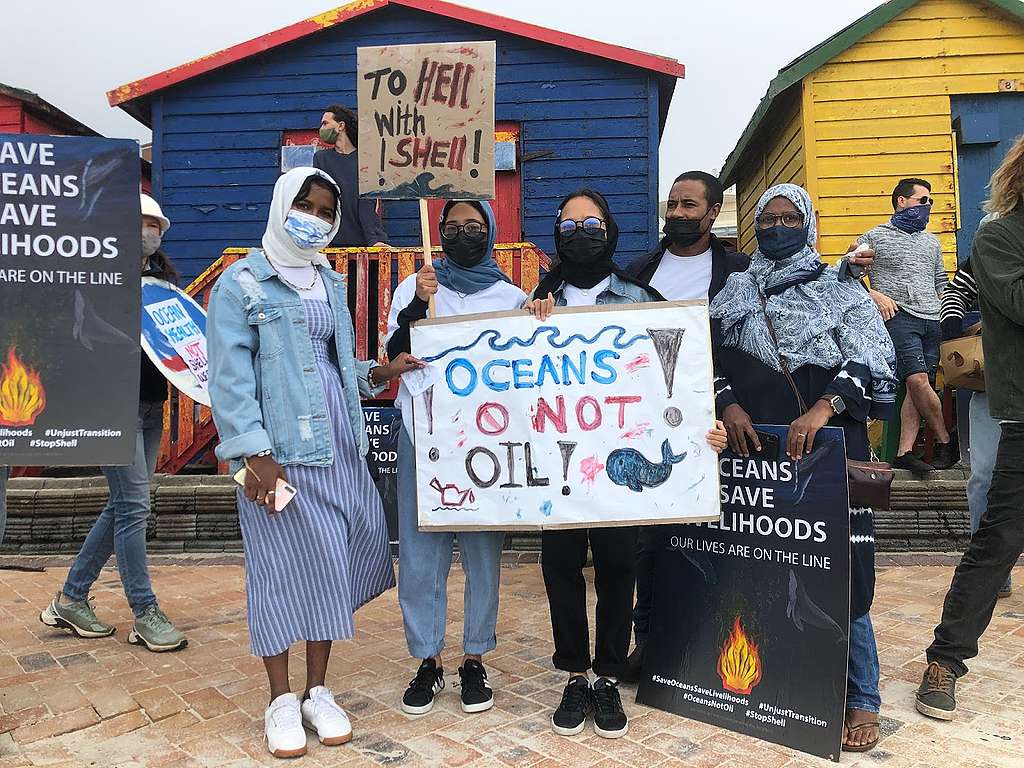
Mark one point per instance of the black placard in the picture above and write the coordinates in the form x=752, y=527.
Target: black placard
x=382, y=428
x=750, y=622
x=70, y=259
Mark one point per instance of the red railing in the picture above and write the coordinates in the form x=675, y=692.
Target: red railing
x=189, y=432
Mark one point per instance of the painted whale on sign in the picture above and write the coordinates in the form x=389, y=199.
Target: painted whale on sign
x=629, y=467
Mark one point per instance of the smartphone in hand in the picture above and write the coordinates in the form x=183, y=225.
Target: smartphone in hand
x=283, y=492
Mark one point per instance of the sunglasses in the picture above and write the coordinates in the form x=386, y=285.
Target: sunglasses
x=791, y=220
x=923, y=199
x=591, y=225
x=474, y=230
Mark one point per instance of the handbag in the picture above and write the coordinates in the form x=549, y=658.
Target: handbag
x=870, y=482
x=963, y=361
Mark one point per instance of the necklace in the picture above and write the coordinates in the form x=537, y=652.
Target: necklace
x=293, y=286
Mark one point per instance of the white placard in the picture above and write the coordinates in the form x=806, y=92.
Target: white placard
x=595, y=417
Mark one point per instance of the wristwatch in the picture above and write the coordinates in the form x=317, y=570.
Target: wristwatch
x=838, y=406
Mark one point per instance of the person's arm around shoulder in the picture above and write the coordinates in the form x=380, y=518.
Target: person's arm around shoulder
x=998, y=261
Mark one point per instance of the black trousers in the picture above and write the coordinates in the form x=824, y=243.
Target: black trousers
x=991, y=554
x=648, y=540
x=563, y=556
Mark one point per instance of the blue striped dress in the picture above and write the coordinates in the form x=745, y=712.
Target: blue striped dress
x=308, y=568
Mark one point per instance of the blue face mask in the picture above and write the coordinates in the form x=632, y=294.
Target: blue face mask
x=308, y=232
x=781, y=242
x=912, y=219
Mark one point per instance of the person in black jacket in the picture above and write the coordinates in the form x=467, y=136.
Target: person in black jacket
x=360, y=224
x=689, y=263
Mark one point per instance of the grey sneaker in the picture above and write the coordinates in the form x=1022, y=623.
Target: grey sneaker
x=76, y=617
x=936, y=696
x=155, y=631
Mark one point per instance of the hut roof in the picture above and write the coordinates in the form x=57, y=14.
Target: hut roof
x=794, y=72
x=34, y=103
x=134, y=97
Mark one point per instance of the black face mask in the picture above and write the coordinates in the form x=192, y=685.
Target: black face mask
x=684, y=232
x=464, y=251
x=585, y=258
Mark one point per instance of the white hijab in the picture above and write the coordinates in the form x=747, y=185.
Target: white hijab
x=277, y=243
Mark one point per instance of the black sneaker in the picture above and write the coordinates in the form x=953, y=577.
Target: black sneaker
x=912, y=463
x=944, y=456
x=571, y=715
x=936, y=696
x=634, y=665
x=419, y=696
x=609, y=718
x=477, y=695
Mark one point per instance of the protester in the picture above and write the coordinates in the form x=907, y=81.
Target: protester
x=468, y=280
x=121, y=526
x=907, y=280
x=997, y=259
x=285, y=388
x=360, y=225
x=585, y=275
x=689, y=263
x=832, y=341
x=960, y=297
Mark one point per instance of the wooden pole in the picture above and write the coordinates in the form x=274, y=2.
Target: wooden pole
x=425, y=233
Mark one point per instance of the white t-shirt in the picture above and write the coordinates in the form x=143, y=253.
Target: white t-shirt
x=583, y=297
x=499, y=297
x=679, y=278
x=300, y=277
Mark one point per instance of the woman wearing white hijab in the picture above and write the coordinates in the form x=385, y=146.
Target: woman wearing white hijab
x=285, y=387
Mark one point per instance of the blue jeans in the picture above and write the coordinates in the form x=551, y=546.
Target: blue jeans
x=121, y=526
x=3, y=502
x=917, y=344
x=862, y=670
x=984, y=442
x=424, y=560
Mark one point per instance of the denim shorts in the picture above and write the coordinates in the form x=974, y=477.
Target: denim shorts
x=917, y=344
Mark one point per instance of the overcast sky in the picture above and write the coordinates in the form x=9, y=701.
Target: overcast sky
x=72, y=52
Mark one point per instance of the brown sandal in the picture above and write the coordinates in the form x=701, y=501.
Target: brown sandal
x=852, y=729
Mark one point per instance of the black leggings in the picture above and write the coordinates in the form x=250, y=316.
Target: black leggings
x=563, y=556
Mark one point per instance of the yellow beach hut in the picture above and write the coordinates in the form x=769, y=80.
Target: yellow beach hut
x=925, y=88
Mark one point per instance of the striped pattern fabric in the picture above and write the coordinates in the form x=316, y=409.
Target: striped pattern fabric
x=308, y=568
x=960, y=296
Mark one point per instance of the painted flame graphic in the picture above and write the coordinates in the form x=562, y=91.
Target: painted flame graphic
x=739, y=663
x=22, y=397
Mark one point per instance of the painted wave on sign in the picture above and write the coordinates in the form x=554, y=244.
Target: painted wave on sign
x=492, y=336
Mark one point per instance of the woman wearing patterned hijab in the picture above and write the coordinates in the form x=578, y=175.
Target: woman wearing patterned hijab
x=840, y=356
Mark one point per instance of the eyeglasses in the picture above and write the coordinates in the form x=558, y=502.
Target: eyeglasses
x=591, y=225
x=474, y=230
x=790, y=219
x=923, y=199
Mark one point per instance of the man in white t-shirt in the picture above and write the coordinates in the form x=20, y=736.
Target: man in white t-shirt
x=689, y=263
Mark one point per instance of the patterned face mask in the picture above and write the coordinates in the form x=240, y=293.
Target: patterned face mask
x=308, y=232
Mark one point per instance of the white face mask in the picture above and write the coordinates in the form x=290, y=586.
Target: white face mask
x=151, y=239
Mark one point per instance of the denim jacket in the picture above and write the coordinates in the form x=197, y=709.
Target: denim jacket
x=264, y=385
x=619, y=291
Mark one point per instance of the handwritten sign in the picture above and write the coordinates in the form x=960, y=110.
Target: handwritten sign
x=595, y=417
x=426, y=121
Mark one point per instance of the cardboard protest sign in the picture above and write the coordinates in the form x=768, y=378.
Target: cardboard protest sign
x=750, y=620
x=70, y=257
x=174, y=337
x=595, y=417
x=426, y=121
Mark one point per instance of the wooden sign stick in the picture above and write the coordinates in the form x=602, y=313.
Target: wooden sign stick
x=425, y=233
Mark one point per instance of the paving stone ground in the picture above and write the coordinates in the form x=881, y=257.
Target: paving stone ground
x=68, y=702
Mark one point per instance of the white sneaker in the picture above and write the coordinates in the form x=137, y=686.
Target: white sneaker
x=321, y=713
x=282, y=727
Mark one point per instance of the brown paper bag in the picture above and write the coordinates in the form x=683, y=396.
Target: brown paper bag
x=963, y=361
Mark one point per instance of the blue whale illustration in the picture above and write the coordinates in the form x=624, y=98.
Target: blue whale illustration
x=629, y=467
